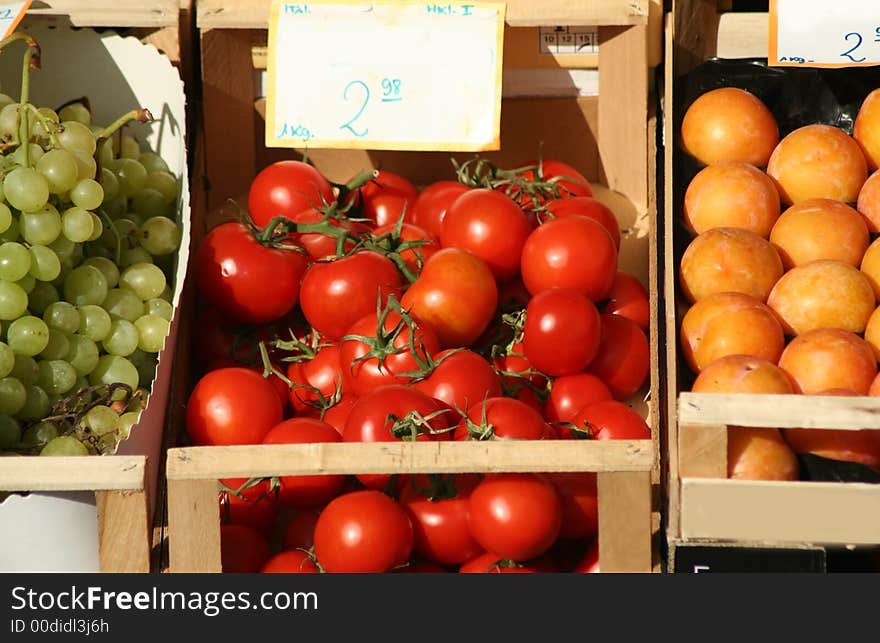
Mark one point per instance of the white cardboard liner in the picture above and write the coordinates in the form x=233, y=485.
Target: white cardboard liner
x=59, y=531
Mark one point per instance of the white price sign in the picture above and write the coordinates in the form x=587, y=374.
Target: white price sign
x=11, y=14
x=824, y=33
x=385, y=75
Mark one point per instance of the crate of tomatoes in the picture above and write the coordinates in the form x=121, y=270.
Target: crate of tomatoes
x=771, y=291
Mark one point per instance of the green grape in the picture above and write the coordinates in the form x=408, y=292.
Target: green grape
x=127, y=421
x=167, y=294
x=45, y=264
x=28, y=335
x=41, y=296
x=115, y=207
x=27, y=283
x=12, y=395
x=160, y=236
x=41, y=227
x=129, y=148
x=36, y=404
x=145, y=363
x=110, y=184
x=7, y=360
x=146, y=280
x=122, y=339
x=12, y=232
x=57, y=377
x=113, y=369
x=64, y=445
x=49, y=114
x=132, y=256
x=85, y=165
x=83, y=354
x=123, y=304
x=87, y=194
x=39, y=434
x=99, y=250
x=132, y=177
x=85, y=285
x=60, y=169
x=5, y=99
x=164, y=183
x=76, y=112
x=94, y=322
x=105, y=153
x=35, y=151
x=150, y=203
x=76, y=224
x=152, y=162
x=15, y=261
x=152, y=331
x=5, y=217
x=65, y=248
x=101, y=419
x=10, y=432
x=77, y=137
x=26, y=189
x=160, y=308
x=9, y=120
x=25, y=369
x=13, y=300
x=57, y=347
x=106, y=266
x=97, y=227
x=125, y=230
x=66, y=267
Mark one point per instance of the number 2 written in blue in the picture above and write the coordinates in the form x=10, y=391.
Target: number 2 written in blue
x=359, y=92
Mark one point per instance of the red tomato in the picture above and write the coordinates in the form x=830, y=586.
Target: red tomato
x=571, y=252
x=244, y=279
x=455, y=295
x=613, y=420
x=313, y=379
x=519, y=377
x=628, y=298
x=580, y=503
x=337, y=415
x=512, y=295
x=277, y=383
x=434, y=201
x=437, y=507
x=561, y=333
x=302, y=492
x=462, y=379
x=415, y=256
x=624, y=358
x=232, y=406
x=570, y=393
x=491, y=226
x=590, y=562
x=363, y=532
x=243, y=550
x=386, y=197
x=423, y=567
x=255, y=507
x=489, y=563
x=587, y=206
x=286, y=188
x=515, y=515
x=504, y=418
x=387, y=356
x=568, y=183
x=300, y=531
x=335, y=294
x=290, y=562
x=216, y=342
x=320, y=245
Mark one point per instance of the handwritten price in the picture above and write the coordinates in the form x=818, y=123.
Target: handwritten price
x=359, y=89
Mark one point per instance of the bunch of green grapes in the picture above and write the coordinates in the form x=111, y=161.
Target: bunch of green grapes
x=87, y=244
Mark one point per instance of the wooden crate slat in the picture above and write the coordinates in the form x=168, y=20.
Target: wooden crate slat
x=73, y=473
x=124, y=531
x=193, y=526
x=197, y=463
x=119, y=13
x=625, y=524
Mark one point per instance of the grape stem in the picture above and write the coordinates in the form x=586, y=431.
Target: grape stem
x=47, y=125
x=109, y=222
x=31, y=60
x=141, y=115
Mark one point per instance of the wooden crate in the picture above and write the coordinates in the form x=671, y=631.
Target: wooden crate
x=702, y=503
x=624, y=483
x=121, y=495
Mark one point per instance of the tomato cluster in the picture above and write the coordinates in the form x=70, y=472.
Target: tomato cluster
x=485, y=308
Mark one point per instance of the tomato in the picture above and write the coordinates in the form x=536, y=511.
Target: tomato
x=243, y=550
x=413, y=256
x=624, y=358
x=455, y=295
x=491, y=226
x=512, y=295
x=320, y=245
x=628, y=298
x=244, y=279
x=232, y=406
x=316, y=381
x=286, y=188
x=612, y=420
x=587, y=206
x=216, y=342
x=556, y=180
x=302, y=492
x=580, y=503
x=461, y=379
x=515, y=515
x=519, y=377
x=377, y=357
x=290, y=562
x=281, y=389
x=423, y=567
x=504, y=418
x=335, y=294
x=386, y=197
x=571, y=252
x=300, y=531
x=590, y=562
x=437, y=507
x=254, y=507
x=363, y=532
x=571, y=182
x=562, y=331
x=434, y=201
x=570, y=393
x=489, y=563
x=337, y=415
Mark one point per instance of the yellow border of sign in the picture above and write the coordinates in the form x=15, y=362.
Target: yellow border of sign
x=773, y=47
x=421, y=146
x=18, y=19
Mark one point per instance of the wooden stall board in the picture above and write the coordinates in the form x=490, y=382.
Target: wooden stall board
x=119, y=483
x=703, y=505
x=623, y=467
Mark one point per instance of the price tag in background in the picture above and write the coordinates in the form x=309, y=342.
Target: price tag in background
x=385, y=75
x=11, y=14
x=824, y=33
